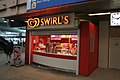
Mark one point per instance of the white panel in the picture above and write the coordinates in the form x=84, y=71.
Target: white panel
x=103, y=43
x=114, y=53
x=55, y=62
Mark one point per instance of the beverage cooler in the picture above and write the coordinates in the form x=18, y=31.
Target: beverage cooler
x=58, y=43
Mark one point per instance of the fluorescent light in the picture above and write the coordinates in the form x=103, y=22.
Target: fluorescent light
x=13, y=33
x=26, y=21
x=12, y=20
x=8, y=35
x=5, y=21
x=98, y=14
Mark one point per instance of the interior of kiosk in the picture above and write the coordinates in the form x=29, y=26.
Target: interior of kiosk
x=55, y=44
x=57, y=51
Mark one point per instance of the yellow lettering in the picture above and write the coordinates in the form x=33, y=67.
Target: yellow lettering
x=34, y=22
x=42, y=22
x=51, y=21
x=47, y=21
x=66, y=18
x=54, y=20
x=59, y=22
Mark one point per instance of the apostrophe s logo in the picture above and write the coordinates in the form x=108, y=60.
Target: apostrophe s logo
x=33, y=22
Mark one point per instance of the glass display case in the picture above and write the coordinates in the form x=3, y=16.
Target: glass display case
x=55, y=44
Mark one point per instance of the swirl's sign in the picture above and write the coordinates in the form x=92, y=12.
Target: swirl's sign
x=56, y=20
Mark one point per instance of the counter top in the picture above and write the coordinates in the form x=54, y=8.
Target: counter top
x=62, y=56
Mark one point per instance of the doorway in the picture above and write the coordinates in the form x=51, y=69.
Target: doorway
x=114, y=56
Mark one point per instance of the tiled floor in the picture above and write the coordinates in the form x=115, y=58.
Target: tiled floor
x=33, y=72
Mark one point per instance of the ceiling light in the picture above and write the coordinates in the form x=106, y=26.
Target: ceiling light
x=12, y=20
x=5, y=21
x=26, y=21
x=98, y=14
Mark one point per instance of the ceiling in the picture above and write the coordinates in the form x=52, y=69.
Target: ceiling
x=92, y=6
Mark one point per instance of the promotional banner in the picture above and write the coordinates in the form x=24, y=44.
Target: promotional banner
x=40, y=4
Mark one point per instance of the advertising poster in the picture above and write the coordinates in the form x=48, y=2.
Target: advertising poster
x=17, y=55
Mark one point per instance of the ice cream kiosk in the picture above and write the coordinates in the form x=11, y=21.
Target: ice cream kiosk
x=61, y=41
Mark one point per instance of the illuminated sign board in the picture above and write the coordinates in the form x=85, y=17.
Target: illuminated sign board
x=58, y=20
x=40, y=4
x=52, y=21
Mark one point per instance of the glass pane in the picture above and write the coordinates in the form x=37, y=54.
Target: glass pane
x=55, y=44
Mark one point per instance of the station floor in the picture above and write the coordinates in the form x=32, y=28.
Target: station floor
x=33, y=72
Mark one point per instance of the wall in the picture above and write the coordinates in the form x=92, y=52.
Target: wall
x=12, y=7
x=115, y=32
x=11, y=11
x=11, y=3
x=2, y=5
x=3, y=13
x=114, y=47
x=22, y=2
x=114, y=53
x=103, y=43
x=22, y=9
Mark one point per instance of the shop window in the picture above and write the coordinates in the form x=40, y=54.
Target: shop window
x=55, y=44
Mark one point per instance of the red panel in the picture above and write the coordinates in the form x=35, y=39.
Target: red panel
x=32, y=47
x=56, y=56
x=27, y=48
x=84, y=48
x=88, y=60
x=93, y=56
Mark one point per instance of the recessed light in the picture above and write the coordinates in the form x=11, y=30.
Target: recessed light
x=98, y=14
